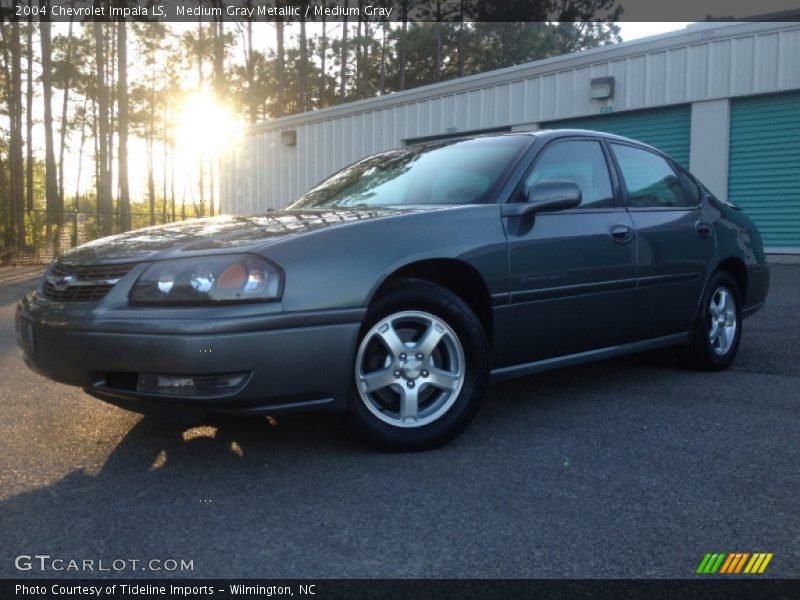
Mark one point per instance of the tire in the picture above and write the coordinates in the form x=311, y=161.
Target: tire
x=420, y=388
x=718, y=326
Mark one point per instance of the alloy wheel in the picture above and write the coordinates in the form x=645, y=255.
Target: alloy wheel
x=722, y=317
x=410, y=369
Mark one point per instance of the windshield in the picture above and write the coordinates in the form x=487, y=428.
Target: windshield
x=445, y=172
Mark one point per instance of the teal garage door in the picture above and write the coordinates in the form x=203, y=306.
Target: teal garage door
x=764, y=168
x=668, y=129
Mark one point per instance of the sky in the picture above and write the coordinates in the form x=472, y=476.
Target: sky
x=633, y=31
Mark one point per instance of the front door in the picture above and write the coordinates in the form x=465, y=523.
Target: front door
x=572, y=273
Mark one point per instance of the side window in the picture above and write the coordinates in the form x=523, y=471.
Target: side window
x=691, y=187
x=581, y=161
x=650, y=180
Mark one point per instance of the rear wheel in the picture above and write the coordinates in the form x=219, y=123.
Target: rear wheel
x=718, y=327
x=420, y=369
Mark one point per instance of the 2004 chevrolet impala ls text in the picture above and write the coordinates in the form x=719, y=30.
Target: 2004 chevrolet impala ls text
x=398, y=288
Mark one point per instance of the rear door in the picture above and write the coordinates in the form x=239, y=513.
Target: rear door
x=675, y=243
x=572, y=273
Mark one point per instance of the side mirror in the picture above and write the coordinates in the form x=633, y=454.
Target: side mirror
x=550, y=194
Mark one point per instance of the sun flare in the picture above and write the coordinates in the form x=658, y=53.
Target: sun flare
x=204, y=127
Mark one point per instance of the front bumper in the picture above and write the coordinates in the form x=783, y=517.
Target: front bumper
x=295, y=361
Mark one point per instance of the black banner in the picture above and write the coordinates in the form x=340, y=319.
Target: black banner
x=709, y=589
x=396, y=10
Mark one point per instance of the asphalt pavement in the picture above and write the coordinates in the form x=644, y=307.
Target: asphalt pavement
x=630, y=467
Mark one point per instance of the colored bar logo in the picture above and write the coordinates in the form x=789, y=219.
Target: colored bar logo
x=735, y=562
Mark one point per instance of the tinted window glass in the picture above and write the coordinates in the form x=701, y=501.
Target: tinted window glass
x=444, y=172
x=458, y=185
x=650, y=180
x=580, y=161
x=691, y=187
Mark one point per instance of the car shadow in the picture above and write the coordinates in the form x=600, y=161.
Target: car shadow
x=166, y=487
x=161, y=482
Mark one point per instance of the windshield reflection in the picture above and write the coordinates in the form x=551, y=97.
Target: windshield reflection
x=455, y=171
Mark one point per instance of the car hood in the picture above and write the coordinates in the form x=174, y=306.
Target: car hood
x=220, y=234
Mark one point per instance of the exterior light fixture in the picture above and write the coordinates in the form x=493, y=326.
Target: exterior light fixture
x=289, y=137
x=602, y=88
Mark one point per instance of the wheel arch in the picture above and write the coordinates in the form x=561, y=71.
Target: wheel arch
x=736, y=268
x=458, y=276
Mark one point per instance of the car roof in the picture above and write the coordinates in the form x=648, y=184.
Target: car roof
x=555, y=133
x=547, y=135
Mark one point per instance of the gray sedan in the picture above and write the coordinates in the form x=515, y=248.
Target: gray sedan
x=399, y=288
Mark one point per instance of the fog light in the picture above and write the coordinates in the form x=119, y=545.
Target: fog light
x=191, y=385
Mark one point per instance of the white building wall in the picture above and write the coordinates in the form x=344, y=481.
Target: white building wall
x=710, y=141
x=698, y=65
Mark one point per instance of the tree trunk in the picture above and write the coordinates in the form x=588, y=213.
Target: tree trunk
x=303, y=67
x=5, y=208
x=51, y=178
x=80, y=156
x=104, y=205
x=29, y=124
x=218, y=28
x=63, y=133
x=383, y=59
x=366, y=69
x=280, y=67
x=323, y=53
x=111, y=86
x=151, y=182
x=200, y=42
x=251, y=76
x=150, y=135
x=96, y=148
x=17, y=193
x=461, y=38
x=359, y=62
x=343, y=76
x=211, y=186
x=172, y=176
x=164, y=136
x=200, y=210
x=401, y=50
x=438, y=52
x=122, y=102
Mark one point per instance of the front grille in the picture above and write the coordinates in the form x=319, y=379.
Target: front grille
x=67, y=283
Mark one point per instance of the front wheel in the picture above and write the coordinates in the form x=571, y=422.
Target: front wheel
x=718, y=328
x=420, y=369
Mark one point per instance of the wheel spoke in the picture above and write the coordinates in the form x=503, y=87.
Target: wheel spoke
x=409, y=403
x=727, y=338
x=371, y=382
x=714, y=308
x=722, y=304
x=713, y=335
x=430, y=339
x=392, y=341
x=443, y=379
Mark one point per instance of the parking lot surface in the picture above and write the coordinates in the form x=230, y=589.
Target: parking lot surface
x=631, y=467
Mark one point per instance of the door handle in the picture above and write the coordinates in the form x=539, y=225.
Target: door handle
x=703, y=229
x=622, y=234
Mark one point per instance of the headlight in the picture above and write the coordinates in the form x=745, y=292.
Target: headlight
x=234, y=278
